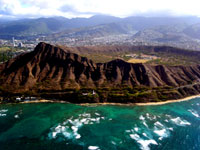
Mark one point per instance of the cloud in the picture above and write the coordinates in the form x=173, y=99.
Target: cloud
x=68, y=8
x=71, y=9
x=80, y=8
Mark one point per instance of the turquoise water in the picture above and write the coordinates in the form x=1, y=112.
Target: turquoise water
x=59, y=126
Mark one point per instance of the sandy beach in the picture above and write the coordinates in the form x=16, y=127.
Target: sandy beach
x=43, y=101
x=126, y=104
x=37, y=101
x=146, y=104
x=169, y=101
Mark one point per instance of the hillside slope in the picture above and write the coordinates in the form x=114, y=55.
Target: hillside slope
x=51, y=68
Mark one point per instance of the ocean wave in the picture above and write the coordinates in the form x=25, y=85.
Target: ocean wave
x=2, y=115
x=134, y=136
x=16, y=116
x=97, y=114
x=128, y=131
x=136, y=129
x=193, y=112
x=113, y=143
x=157, y=123
x=3, y=112
x=93, y=148
x=144, y=139
x=145, y=124
x=180, y=122
x=171, y=129
x=144, y=134
x=85, y=115
x=151, y=117
x=166, y=120
x=69, y=128
x=141, y=117
x=65, y=131
x=144, y=144
x=160, y=130
x=169, y=116
x=162, y=133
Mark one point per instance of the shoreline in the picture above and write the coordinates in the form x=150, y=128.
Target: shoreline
x=42, y=101
x=169, y=101
x=146, y=104
x=125, y=104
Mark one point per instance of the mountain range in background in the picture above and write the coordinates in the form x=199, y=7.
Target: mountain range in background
x=50, y=25
x=183, y=32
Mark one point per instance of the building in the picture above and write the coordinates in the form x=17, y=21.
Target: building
x=13, y=40
x=20, y=45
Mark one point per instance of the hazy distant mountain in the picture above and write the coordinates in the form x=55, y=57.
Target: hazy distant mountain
x=141, y=23
x=179, y=35
x=162, y=33
x=28, y=27
x=96, y=31
x=193, y=31
x=168, y=31
x=31, y=26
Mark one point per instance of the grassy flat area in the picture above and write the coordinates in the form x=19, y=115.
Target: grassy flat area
x=3, y=49
x=133, y=60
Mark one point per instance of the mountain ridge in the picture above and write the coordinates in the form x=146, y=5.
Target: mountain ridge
x=51, y=68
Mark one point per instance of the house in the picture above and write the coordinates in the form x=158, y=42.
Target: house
x=93, y=92
x=18, y=99
x=84, y=94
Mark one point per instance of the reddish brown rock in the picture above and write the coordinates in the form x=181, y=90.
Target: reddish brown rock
x=50, y=67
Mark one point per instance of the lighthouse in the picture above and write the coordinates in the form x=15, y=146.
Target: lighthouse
x=13, y=40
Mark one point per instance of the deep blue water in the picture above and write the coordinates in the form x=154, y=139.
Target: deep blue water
x=59, y=126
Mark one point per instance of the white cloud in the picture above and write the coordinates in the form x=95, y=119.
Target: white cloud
x=122, y=8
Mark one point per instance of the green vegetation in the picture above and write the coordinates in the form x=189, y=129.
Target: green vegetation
x=171, y=59
x=88, y=95
x=4, y=49
x=7, y=53
x=101, y=57
x=166, y=56
x=5, y=56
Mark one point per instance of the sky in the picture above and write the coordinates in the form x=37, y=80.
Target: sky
x=87, y=8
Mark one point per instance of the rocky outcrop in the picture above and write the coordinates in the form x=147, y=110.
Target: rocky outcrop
x=56, y=68
x=52, y=68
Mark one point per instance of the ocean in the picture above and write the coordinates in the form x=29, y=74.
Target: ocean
x=62, y=126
